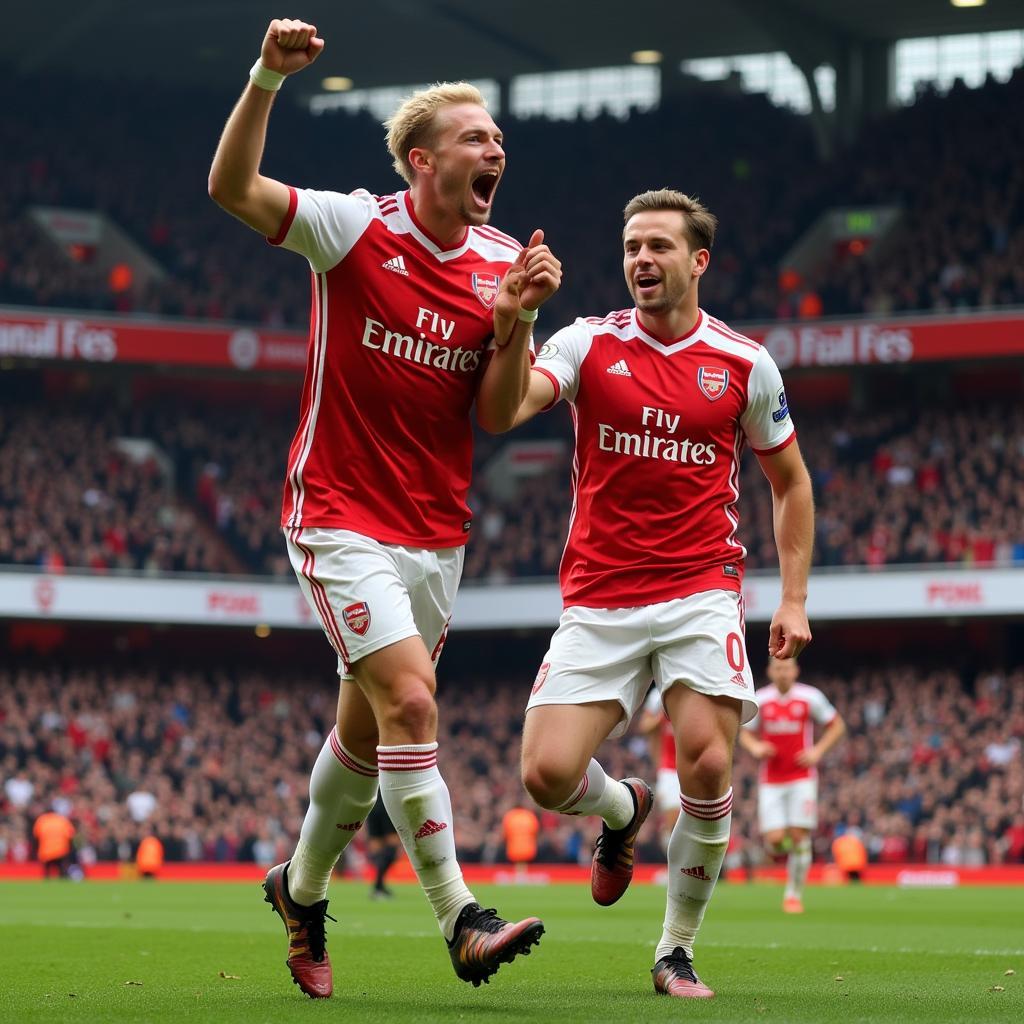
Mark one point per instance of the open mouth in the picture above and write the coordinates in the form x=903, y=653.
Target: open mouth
x=483, y=188
x=646, y=282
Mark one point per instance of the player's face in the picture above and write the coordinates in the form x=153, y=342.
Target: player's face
x=660, y=269
x=783, y=673
x=469, y=161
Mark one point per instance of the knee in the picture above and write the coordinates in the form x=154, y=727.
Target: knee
x=411, y=710
x=547, y=783
x=708, y=771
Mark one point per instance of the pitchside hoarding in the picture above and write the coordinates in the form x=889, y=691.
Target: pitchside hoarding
x=56, y=336
x=212, y=601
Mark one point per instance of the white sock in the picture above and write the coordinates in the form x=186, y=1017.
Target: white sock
x=418, y=803
x=601, y=795
x=695, y=854
x=342, y=790
x=798, y=863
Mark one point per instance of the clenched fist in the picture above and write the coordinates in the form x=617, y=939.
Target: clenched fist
x=290, y=45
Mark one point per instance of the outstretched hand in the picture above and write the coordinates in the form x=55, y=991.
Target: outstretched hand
x=290, y=46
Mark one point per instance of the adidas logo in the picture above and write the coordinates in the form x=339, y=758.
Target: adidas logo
x=738, y=680
x=620, y=368
x=397, y=264
x=430, y=828
x=352, y=826
x=697, y=872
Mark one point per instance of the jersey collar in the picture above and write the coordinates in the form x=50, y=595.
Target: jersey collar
x=669, y=347
x=424, y=237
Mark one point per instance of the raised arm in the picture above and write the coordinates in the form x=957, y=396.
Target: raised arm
x=235, y=181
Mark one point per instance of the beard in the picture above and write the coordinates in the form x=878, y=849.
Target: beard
x=454, y=191
x=671, y=297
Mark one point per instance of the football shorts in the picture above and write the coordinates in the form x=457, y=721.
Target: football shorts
x=368, y=595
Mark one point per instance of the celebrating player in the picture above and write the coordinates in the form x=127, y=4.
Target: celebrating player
x=375, y=514
x=663, y=398
x=787, y=798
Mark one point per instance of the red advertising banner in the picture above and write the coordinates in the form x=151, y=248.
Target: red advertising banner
x=88, y=339
x=872, y=342
x=65, y=336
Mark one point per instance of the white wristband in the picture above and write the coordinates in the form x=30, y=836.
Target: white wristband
x=263, y=78
x=526, y=316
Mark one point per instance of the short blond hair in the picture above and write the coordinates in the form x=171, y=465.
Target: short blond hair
x=414, y=123
x=699, y=222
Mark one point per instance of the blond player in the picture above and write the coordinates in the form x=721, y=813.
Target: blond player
x=781, y=737
x=663, y=398
x=375, y=515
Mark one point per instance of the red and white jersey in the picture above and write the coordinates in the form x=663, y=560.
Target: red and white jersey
x=660, y=425
x=399, y=333
x=786, y=721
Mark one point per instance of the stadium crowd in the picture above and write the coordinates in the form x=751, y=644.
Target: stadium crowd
x=216, y=763
x=196, y=490
x=959, y=242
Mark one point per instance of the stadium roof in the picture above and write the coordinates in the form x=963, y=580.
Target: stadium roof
x=393, y=42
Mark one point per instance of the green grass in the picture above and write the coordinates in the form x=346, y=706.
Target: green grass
x=68, y=952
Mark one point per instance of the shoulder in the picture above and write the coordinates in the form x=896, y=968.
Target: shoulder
x=493, y=245
x=616, y=322
x=766, y=694
x=719, y=335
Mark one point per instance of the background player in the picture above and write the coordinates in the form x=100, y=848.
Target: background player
x=655, y=725
x=787, y=796
x=663, y=398
x=382, y=844
x=375, y=509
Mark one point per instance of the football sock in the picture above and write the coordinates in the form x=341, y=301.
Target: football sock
x=695, y=854
x=418, y=803
x=797, y=865
x=601, y=795
x=342, y=790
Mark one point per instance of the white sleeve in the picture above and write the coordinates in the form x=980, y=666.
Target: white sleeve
x=561, y=358
x=323, y=226
x=766, y=421
x=822, y=710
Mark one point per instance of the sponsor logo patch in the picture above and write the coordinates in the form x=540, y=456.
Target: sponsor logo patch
x=430, y=828
x=713, y=381
x=357, y=617
x=696, y=872
x=486, y=288
x=731, y=570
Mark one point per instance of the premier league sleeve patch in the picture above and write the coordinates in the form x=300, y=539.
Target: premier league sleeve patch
x=713, y=381
x=782, y=410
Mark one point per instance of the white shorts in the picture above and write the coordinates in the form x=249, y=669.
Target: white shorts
x=614, y=653
x=787, y=805
x=666, y=790
x=368, y=595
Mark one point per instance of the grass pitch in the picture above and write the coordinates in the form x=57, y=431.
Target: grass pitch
x=174, y=952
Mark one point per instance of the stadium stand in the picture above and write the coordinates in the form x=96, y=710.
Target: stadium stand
x=216, y=762
x=959, y=245
x=910, y=485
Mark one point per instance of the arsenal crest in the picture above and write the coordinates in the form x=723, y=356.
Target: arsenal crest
x=357, y=617
x=486, y=288
x=713, y=381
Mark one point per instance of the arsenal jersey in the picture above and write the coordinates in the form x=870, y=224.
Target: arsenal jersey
x=660, y=425
x=786, y=721
x=399, y=335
